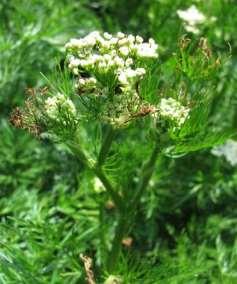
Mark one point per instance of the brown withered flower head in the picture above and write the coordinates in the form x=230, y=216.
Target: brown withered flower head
x=27, y=117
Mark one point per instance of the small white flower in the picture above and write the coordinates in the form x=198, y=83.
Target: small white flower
x=118, y=61
x=86, y=63
x=90, y=40
x=75, y=71
x=139, y=39
x=113, y=41
x=152, y=42
x=73, y=43
x=93, y=80
x=128, y=62
x=57, y=103
x=120, y=35
x=173, y=110
x=145, y=50
x=123, y=78
x=73, y=62
x=105, y=44
x=192, y=29
x=102, y=65
x=140, y=71
x=191, y=17
x=107, y=57
x=131, y=39
x=107, y=36
x=123, y=41
x=87, y=82
x=82, y=82
x=124, y=50
x=93, y=37
x=128, y=76
x=228, y=150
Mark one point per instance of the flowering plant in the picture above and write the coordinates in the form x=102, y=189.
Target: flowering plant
x=111, y=93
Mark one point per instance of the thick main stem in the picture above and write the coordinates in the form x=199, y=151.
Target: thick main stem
x=116, y=244
x=126, y=217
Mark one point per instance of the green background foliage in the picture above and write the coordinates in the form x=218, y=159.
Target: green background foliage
x=186, y=225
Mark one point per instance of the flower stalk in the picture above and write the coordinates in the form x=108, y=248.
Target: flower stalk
x=109, y=136
x=98, y=171
x=127, y=216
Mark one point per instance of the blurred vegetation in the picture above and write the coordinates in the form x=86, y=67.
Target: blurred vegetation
x=186, y=229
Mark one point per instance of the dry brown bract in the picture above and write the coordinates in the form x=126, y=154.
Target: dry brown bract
x=88, y=269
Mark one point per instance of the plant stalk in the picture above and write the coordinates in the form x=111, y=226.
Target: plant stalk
x=109, y=136
x=126, y=216
x=146, y=174
x=108, y=186
x=116, y=244
x=98, y=171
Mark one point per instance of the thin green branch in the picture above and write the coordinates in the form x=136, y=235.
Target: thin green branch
x=109, y=136
x=105, y=181
x=91, y=165
x=146, y=173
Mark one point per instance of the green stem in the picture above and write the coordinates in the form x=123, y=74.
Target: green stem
x=116, y=244
x=104, y=151
x=105, y=181
x=109, y=136
x=99, y=173
x=126, y=217
x=146, y=173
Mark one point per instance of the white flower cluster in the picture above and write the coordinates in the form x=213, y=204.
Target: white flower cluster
x=105, y=43
x=101, y=60
x=58, y=104
x=105, y=52
x=87, y=84
x=173, y=110
x=228, y=150
x=192, y=17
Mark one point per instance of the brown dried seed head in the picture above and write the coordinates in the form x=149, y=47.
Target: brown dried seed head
x=30, y=91
x=16, y=118
x=34, y=129
x=44, y=90
x=145, y=110
x=184, y=42
x=203, y=44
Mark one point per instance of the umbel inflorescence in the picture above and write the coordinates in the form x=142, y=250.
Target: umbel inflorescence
x=107, y=72
x=111, y=68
